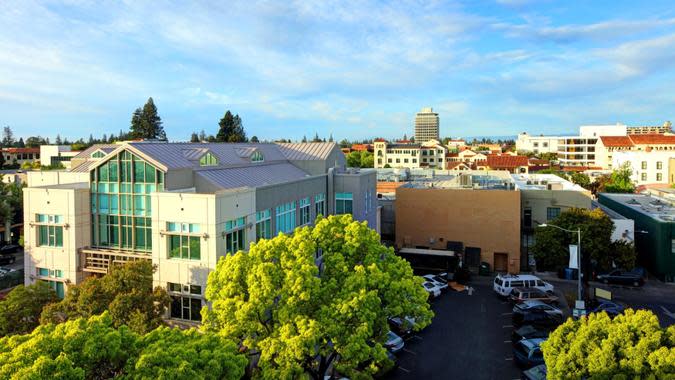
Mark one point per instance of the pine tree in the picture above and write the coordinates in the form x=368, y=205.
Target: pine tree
x=146, y=123
x=254, y=139
x=136, y=130
x=194, y=137
x=91, y=139
x=202, y=136
x=304, y=139
x=230, y=129
x=330, y=139
x=58, y=140
x=7, y=137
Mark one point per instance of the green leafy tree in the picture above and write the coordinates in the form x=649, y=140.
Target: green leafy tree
x=581, y=179
x=302, y=317
x=254, y=139
x=126, y=292
x=344, y=143
x=354, y=159
x=2, y=161
x=622, y=254
x=167, y=353
x=367, y=160
x=194, y=138
x=36, y=141
x=619, y=180
x=551, y=247
x=548, y=156
x=230, y=129
x=20, y=311
x=630, y=346
x=11, y=205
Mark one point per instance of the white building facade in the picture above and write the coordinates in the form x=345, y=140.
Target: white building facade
x=537, y=144
x=430, y=154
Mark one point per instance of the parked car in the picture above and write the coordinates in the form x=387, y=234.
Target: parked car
x=529, y=332
x=611, y=308
x=436, y=280
x=504, y=284
x=10, y=248
x=402, y=326
x=622, y=278
x=519, y=295
x=394, y=342
x=433, y=289
x=535, y=373
x=527, y=353
x=536, y=313
x=7, y=258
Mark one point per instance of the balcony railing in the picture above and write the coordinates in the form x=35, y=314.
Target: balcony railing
x=100, y=260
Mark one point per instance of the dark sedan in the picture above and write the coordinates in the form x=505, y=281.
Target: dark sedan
x=529, y=332
x=611, y=308
x=621, y=278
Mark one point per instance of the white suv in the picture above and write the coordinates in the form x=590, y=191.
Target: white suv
x=504, y=284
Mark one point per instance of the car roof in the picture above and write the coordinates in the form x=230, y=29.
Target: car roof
x=531, y=303
x=517, y=277
x=532, y=343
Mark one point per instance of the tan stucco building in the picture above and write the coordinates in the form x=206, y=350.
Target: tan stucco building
x=482, y=212
x=182, y=207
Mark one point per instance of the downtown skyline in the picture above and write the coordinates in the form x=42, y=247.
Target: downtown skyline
x=353, y=70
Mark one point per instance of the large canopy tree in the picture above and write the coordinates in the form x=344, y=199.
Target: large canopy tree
x=630, y=346
x=94, y=348
x=126, y=292
x=551, y=248
x=318, y=298
x=20, y=311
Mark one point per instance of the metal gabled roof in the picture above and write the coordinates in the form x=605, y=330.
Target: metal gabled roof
x=307, y=151
x=252, y=176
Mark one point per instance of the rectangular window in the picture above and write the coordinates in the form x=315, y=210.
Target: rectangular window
x=343, y=203
x=187, y=308
x=263, y=224
x=304, y=211
x=285, y=217
x=552, y=213
x=184, y=247
x=644, y=165
x=57, y=286
x=672, y=246
x=320, y=204
x=49, y=233
x=43, y=272
x=659, y=176
x=643, y=176
x=235, y=235
x=659, y=165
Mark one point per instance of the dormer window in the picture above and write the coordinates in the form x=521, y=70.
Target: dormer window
x=208, y=160
x=98, y=154
x=257, y=157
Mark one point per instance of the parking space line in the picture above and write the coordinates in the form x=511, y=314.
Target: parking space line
x=417, y=337
x=508, y=358
x=507, y=326
x=403, y=369
x=408, y=351
x=507, y=341
x=507, y=313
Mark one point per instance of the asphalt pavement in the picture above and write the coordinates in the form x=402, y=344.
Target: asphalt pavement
x=469, y=338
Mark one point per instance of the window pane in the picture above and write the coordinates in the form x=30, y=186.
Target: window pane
x=149, y=173
x=176, y=307
x=195, y=309
x=43, y=236
x=174, y=246
x=59, y=236
x=194, y=248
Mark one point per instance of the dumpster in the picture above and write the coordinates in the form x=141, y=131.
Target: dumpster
x=484, y=269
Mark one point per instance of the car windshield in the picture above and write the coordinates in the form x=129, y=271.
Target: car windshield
x=498, y=281
x=428, y=285
x=391, y=336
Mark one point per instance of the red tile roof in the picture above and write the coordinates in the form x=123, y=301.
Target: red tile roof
x=362, y=147
x=450, y=165
x=616, y=141
x=655, y=139
x=495, y=161
x=21, y=150
x=388, y=187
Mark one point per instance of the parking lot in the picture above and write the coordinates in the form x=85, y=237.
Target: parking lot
x=469, y=338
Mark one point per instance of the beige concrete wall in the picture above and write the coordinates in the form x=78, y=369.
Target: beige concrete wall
x=210, y=211
x=73, y=205
x=488, y=219
x=55, y=177
x=539, y=200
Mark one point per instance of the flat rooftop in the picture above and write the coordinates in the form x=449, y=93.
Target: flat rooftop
x=542, y=182
x=467, y=180
x=655, y=207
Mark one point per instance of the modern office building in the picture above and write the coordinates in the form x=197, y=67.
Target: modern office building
x=654, y=219
x=473, y=214
x=182, y=206
x=537, y=144
x=54, y=154
x=426, y=125
x=429, y=154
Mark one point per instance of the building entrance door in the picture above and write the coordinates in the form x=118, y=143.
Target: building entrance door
x=501, y=262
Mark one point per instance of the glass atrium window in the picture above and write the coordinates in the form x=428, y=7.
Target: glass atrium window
x=208, y=160
x=263, y=224
x=285, y=217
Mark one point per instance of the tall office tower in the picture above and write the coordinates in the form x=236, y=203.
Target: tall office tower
x=426, y=125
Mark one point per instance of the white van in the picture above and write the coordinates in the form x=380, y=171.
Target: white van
x=504, y=284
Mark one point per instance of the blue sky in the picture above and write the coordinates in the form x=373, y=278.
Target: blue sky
x=356, y=70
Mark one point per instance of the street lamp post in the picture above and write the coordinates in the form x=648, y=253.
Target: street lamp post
x=579, y=307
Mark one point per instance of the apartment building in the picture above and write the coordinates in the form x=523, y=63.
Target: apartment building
x=537, y=144
x=474, y=214
x=429, y=154
x=654, y=218
x=426, y=125
x=650, y=129
x=647, y=167
x=182, y=206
